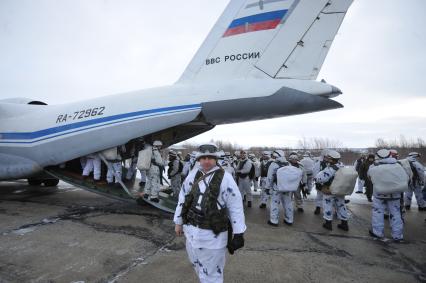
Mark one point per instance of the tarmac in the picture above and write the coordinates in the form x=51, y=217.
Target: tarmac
x=70, y=235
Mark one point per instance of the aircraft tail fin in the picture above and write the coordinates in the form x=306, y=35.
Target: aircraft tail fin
x=268, y=38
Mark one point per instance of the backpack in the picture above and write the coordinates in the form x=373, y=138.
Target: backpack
x=111, y=154
x=144, y=158
x=344, y=181
x=288, y=178
x=388, y=178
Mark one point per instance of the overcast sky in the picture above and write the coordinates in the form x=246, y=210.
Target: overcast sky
x=70, y=50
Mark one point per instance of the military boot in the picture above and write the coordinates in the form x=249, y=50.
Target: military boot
x=344, y=225
x=327, y=225
x=317, y=210
x=249, y=204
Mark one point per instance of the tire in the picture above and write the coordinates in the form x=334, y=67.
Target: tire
x=51, y=182
x=34, y=182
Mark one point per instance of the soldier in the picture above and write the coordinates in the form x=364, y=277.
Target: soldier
x=264, y=166
x=243, y=172
x=319, y=165
x=279, y=197
x=256, y=165
x=362, y=174
x=174, y=172
x=417, y=182
x=154, y=174
x=190, y=163
x=301, y=190
x=308, y=165
x=389, y=202
x=93, y=163
x=360, y=181
x=325, y=178
x=115, y=168
x=209, y=206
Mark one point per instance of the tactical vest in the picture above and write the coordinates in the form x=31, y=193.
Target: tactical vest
x=207, y=215
x=264, y=169
x=241, y=166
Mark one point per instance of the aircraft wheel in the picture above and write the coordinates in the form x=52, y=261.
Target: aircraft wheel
x=33, y=182
x=51, y=182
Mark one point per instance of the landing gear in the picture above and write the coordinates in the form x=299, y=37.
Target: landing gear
x=51, y=182
x=34, y=182
x=46, y=182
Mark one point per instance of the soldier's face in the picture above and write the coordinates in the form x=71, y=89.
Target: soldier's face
x=207, y=163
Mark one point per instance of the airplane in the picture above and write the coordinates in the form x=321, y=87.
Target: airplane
x=260, y=61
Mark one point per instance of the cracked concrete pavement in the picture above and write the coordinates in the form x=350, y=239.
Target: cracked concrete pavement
x=70, y=235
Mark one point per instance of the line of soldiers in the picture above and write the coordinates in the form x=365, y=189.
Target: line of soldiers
x=320, y=173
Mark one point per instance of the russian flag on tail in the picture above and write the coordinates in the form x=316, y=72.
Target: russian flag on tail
x=264, y=21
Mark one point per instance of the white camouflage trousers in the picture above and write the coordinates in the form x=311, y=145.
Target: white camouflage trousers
x=360, y=185
x=264, y=197
x=118, y=172
x=207, y=263
x=319, y=199
x=283, y=198
x=378, y=221
x=298, y=198
x=417, y=192
x=93, y=164
x=245, y=188
x=338, y=202
x=153, y=185
x=255, y=184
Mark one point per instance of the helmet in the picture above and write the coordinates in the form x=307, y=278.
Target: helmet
x=193, y=154
x=414, y=154
x=266, y=153
x=278, y=153
x=307, y=154
x=333, y=154
x=293, y=157
x=172, y=153
x=157, y=143
x=251, y=156
x=221, y=154
x=324, y=152
x=208, y=149
x=394, y=152
x=383, y=153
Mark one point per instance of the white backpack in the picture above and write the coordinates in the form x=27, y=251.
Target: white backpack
x=111, y=154
x=308, y=164
x=388, y=178
x=288, y=178
x=344, y=181
x=144, y=158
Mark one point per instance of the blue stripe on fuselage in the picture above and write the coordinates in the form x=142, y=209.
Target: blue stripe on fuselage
x=95, y=123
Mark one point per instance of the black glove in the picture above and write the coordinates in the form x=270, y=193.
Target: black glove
x=236, y=243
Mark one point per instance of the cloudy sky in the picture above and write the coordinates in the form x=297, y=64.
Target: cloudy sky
x=70, y=50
